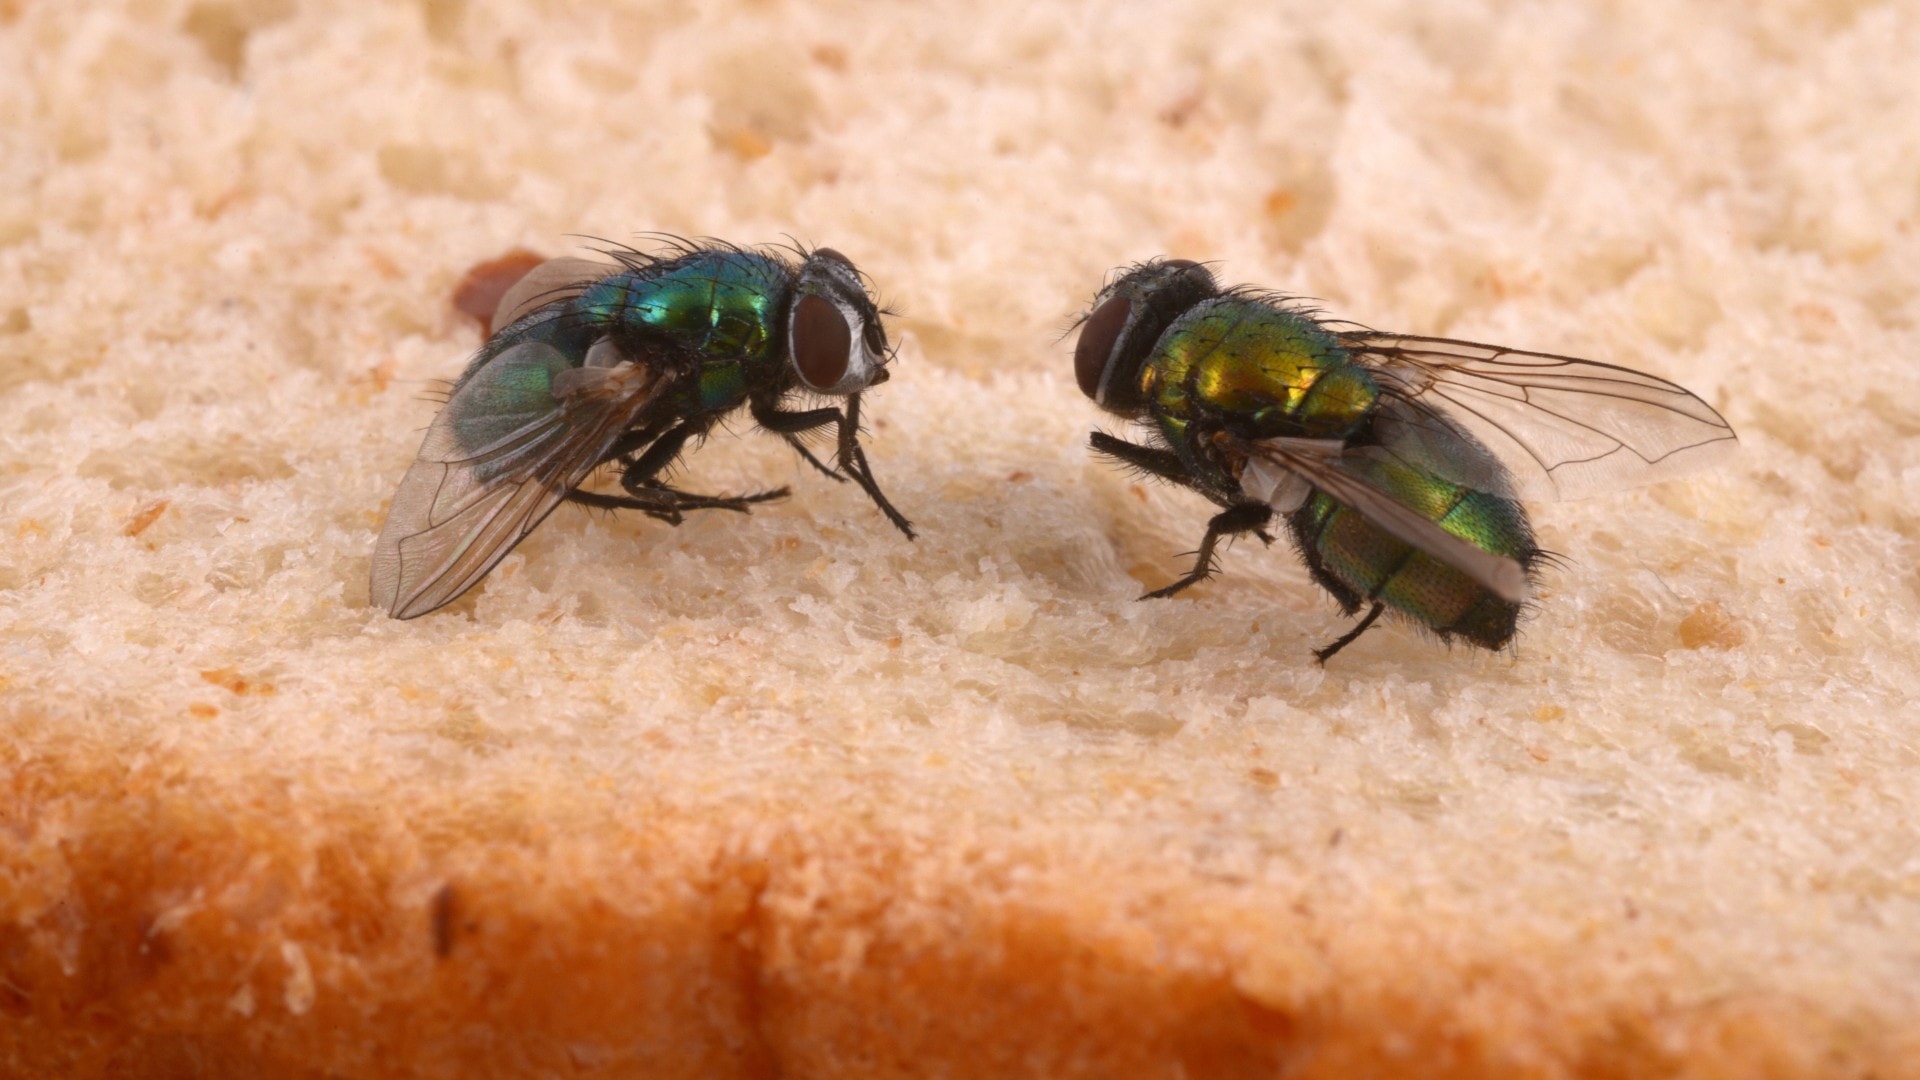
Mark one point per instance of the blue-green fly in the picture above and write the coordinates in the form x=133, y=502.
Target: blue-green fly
x=626, y=363
x=1397, y=462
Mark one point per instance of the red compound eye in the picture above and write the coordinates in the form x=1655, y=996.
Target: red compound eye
x=821, y=341
x=1098, y=336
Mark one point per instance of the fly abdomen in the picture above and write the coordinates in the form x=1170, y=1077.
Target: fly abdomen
x=1359, y=562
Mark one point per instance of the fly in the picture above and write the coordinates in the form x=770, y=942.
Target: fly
x=1397, y=462
x=626, y=363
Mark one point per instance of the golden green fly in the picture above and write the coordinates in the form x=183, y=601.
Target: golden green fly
x=1398, y=463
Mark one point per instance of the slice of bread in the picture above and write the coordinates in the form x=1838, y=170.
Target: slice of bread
x=786, y=795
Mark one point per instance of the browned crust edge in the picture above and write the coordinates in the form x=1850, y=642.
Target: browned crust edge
x=152, y=924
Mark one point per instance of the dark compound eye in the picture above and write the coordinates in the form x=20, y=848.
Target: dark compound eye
x=1098, y=336
x=821, y=341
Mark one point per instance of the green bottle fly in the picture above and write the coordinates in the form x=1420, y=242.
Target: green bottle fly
x=1397, y=462
x=627, y=362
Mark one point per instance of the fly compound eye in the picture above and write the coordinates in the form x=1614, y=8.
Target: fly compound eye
x=1099, y=335
x=821, y=341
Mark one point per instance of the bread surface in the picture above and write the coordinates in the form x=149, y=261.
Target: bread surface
x=786, y=795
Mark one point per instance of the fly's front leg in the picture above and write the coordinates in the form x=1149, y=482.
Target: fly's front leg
x=1240, y=518
x=849, y=457
x=854, y=460
x=1152, y=460
x=791, y=425
x=1168, y=465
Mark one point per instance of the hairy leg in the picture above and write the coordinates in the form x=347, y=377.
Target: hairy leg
x=1238, y=518
x=1325, y=652
x=851, y=459
x=654, y=498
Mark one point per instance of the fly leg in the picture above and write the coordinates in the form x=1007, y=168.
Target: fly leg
x=666, y=504
x=1167, y=465
x=654, y=498
x=1325, y=652
x=1151, y=460
x=848, y=455
x=854, y=459
x=1239, y=518
x=791, y=425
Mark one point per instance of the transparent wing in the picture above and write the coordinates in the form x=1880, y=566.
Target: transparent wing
x=556, y=279
x=1565, y=428
x=514, y=438
x=1319, y=463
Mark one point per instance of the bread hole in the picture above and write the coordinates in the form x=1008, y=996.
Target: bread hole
x=421, y=169
x=443, y=17
x=222, y=29
x=760, y=97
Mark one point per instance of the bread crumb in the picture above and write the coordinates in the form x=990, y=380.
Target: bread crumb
x=299, y=991
x=145, y=517
x=1710, y=626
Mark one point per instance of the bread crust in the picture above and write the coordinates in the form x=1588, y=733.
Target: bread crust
x=157, y=924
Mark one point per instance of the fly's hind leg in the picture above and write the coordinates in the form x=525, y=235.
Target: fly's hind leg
x=1325, y=652
x=667, y=504
x=655, y=498
x=1239, y=518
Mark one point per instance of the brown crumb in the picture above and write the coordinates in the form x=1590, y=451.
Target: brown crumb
x=231, y=679
x=1710, y=626
x=146, y=516
x=479, y=292
x=744, y=143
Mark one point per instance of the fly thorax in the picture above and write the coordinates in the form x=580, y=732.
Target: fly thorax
x=1337, y=401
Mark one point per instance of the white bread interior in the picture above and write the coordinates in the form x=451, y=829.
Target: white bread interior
x=788, y=795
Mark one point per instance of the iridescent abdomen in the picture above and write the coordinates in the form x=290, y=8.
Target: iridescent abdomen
x=1359, y=562
x=1257, y=371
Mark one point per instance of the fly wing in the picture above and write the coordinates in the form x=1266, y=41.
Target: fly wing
x=1318, y=463
x=556, y=279
x=515, y=437
x=1565, y=428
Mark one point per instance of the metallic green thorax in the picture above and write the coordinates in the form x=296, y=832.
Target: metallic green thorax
x=720, y=306
x=1258, y=371
x=716, y=311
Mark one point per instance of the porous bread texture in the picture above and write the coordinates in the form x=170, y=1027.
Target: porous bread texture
x=787, y=795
